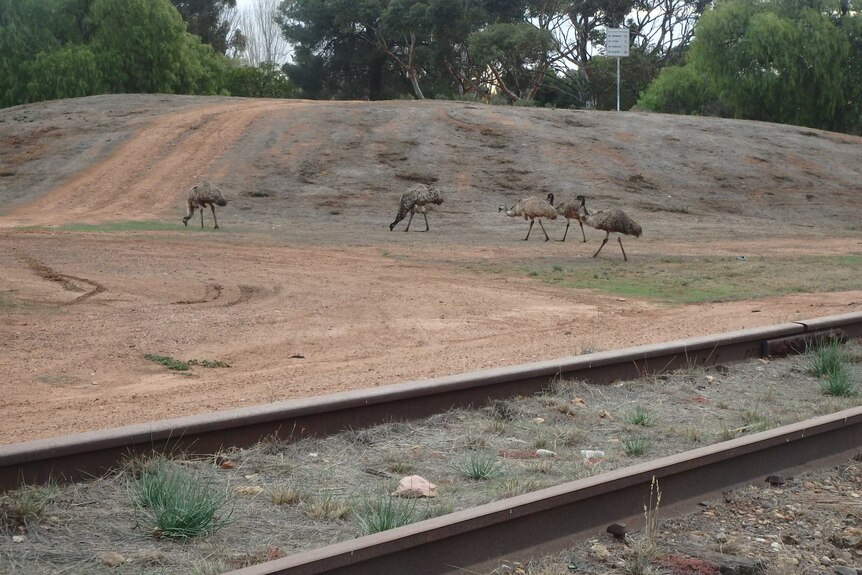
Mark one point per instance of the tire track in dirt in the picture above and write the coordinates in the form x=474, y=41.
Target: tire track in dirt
x=66, y=281
x=139, y=180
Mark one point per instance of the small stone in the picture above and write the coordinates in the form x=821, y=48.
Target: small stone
x=248, y=490
x=112, y=559
x=842, y=570
x=415, y=486
x=600, y=552
x=825, y=560
x=18, y=539
x=545, y=453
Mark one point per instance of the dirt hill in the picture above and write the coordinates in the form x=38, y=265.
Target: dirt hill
x=304, y=290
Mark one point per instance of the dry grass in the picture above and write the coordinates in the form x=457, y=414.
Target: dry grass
x=303, y=495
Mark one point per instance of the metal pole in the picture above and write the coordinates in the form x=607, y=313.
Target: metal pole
x=618, y=84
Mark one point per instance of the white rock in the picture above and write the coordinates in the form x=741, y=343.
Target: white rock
x=415, y=486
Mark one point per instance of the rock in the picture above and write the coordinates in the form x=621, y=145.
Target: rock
x=842, y=570
x=112, y=559
x=248, y=490
x=415, y=486
x=545, y=453
x=600, y=552
x=18, y=539
x=825, y=560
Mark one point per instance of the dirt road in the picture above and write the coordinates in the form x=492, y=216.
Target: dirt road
x=304, y=291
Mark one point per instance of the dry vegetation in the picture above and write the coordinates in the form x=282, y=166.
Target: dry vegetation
x=283, y=498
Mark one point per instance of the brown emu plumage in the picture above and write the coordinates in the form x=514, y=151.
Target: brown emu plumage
x=200, y=196
x=610, y=221
x=571, y=211
x=532, y=208
x=418, y=198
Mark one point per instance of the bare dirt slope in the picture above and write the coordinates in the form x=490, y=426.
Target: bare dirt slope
x=305, y=291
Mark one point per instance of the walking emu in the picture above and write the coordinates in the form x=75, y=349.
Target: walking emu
x=532, y=208
x=610, y=221
x=418, y=198
x=571, y=211
x=200, y=196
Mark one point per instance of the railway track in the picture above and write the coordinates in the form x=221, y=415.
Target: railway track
x=475, y=540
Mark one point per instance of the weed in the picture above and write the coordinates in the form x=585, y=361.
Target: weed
x=479, y=466
x=830, y=361
x=286, y=494
x=177, y=503
x=643, y=550
x=25, y=504
x=384, y=513
x=502, y=410
x=636, y=446
x=168, y=361
x=395, y=463
x=208, y=363
x=327, y=506
x=512, y=486
x=640, y=416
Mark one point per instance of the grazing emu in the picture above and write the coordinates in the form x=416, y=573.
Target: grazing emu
x=200, y=196
x=570, y=211
x=532, y=208
x=610, y=221
x=418, y=198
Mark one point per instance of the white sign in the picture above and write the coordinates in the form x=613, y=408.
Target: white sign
x=617, y=43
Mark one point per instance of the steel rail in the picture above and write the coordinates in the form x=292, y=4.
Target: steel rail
x=90, y=454
x=477, y=540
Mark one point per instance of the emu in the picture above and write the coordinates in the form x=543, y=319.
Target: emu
x=609, y=221
x=570, y=211
x=200, y=196
x=418, y=198
x=532, y=208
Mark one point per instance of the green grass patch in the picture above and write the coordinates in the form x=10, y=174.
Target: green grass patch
x=689, y=279
x=168, y=361
x=831, y=362
x=385, y=513
x=479, y=466
x=177, y=503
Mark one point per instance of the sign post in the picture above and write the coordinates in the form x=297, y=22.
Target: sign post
x=617, y=44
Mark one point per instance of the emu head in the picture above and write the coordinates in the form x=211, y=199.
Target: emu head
x=551, y=198
x=581, y=199
x=502, y=208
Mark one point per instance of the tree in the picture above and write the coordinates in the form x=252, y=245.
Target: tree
x=782, y=61
x=143, y=47
x=264, y=41
x=207, y=20
x=263, y=81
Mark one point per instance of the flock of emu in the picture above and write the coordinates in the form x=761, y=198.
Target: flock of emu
x=421, y=197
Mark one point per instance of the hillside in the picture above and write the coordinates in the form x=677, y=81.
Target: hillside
x=304, y=290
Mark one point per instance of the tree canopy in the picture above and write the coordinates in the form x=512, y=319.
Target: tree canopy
x=788, y=61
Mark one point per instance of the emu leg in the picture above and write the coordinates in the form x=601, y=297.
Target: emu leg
x=565, y=233
x=214, y=216
x=529, y=230
x=547, y=237
x=620, y=239
x=407, y=229
x=201, y=210
x=426, y=221
x=582, y=230
x=604, y=241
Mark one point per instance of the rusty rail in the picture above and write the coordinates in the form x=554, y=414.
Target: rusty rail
x=91, y=454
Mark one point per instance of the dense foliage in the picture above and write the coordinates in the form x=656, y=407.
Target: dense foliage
x=788, y=61
x=51, y=49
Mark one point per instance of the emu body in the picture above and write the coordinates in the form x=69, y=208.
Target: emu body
x=571, y=211
x=532, y=208
x=610, y=221
x=200, y=196
x=419, y=198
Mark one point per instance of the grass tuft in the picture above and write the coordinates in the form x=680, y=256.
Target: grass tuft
x=640, y=416
x=831, y=362
x=19, y=507
x=178, y=504
x=385, y=513
x=479, y=466
x=636, y=446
